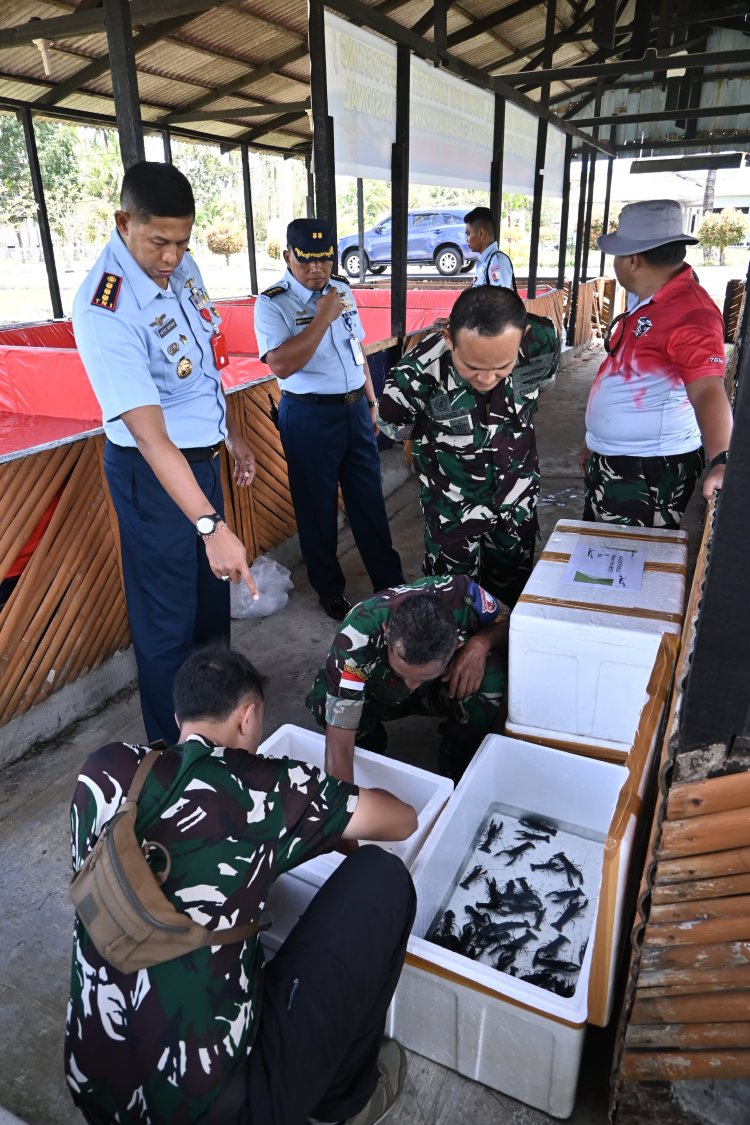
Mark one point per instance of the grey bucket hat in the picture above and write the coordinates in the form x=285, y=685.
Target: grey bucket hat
x=642, y=226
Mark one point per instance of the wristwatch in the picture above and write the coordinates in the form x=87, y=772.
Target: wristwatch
x=208, y=525
x=371, y=402
x=719, y=459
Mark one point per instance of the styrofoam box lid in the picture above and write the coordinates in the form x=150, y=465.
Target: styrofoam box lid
x=427, y=792
x=539, y=780
x=659, y=600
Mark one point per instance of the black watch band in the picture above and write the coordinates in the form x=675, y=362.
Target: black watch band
x=372, y=402
x=719, y=459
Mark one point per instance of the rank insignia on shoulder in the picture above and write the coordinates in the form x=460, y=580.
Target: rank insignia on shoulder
x=273, y=291
x=107, y=291
x=339, y=277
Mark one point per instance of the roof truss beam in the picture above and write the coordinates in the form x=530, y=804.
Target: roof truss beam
x=650, y=63
x=246, y=79
x=667, y=115
x=267, y=110
x=91, y=22
x=491, y=22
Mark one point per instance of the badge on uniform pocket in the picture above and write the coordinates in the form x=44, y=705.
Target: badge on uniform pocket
x=184, y=367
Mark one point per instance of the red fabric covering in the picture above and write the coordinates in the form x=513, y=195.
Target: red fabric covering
x=30, y=545
x=52, y=334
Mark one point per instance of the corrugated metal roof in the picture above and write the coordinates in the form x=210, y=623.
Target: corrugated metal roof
x=216, y=48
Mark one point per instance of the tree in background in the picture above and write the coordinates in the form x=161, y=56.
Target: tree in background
x=226, y=239
x=717, y=231
x=16, y=195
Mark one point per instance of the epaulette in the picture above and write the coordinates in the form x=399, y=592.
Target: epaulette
x=339, y=277
x=273, y=291
x=107, y=291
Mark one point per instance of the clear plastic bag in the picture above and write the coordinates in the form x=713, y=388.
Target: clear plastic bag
x=274, y=582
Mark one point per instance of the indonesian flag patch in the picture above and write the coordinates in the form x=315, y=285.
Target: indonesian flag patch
x=353, y=678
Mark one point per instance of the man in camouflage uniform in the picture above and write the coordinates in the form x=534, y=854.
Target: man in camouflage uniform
x=425, y=648
x=659, y=395
x=465, y=397
x=215, y=1036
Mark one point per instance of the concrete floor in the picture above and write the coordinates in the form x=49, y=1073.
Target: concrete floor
x=35, y=924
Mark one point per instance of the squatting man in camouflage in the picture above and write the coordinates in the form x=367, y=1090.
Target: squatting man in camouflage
x=465, y=397
x=659, y=395
x=215, y=1036
x=426, y=648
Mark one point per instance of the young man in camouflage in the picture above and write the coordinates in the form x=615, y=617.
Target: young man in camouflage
x=215, y=1036
x=465, y=397
x=425, y=648
x=659, y=395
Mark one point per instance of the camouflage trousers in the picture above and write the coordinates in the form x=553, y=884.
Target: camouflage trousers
x=499, y=560
x=641, y=491
x=469, y=719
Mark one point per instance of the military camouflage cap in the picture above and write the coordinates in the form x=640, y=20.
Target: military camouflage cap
x=310, y=240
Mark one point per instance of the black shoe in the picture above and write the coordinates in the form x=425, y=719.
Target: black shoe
x=453, y=760
x=375, y=739
x=336, y=606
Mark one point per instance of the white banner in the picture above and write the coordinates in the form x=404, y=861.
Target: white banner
x=519, y=151
x=451, y=121
x=361, y=99
x=554, y=163
x=450, y=129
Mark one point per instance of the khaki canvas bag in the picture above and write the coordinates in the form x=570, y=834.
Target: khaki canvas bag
x=119, y=899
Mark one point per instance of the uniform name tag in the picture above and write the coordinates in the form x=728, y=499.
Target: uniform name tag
x=357, y=352
x=166, y=328
x=219, y=348
x=303, y=320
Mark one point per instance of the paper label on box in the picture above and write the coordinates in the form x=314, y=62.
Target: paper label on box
x=600, y=564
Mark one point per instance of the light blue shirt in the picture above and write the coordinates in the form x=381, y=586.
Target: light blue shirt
x=494, y=268
x=152, y=349
x=279, y=316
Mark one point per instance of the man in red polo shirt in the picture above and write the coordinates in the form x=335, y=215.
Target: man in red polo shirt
x=657, y=410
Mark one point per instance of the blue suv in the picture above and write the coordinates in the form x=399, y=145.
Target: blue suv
x=436, y=236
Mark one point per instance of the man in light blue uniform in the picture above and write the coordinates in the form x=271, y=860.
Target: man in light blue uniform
x=309, y=333
x=153, y=350
x=493, y=267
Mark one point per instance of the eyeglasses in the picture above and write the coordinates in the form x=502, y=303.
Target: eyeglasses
x=616, y=328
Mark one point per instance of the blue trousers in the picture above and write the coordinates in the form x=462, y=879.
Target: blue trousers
x=326, y=445
x=174, y=601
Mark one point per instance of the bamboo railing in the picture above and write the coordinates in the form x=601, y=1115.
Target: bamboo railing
x=66, y=616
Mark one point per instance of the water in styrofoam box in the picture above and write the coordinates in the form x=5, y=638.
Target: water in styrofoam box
x=580, y=846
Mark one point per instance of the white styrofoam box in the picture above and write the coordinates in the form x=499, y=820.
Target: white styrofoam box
x=511, y=1035
x=426, y=792
x=287, y=902
x=581, y=654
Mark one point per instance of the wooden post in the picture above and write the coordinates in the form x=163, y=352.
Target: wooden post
x=45, y=232
x=400, y=194
x=124, y=81
x=564, y=213
x=325, y=187
x=247, y=192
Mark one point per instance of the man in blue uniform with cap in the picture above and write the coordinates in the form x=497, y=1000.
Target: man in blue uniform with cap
x=153, y=350
x=309, y=333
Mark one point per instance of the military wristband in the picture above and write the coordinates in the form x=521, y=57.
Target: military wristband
x=719, y=459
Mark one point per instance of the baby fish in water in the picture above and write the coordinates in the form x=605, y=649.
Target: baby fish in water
x=571, y=911
x=536, y=824
x=493, y=831
x=475, y=873
x=515, y=853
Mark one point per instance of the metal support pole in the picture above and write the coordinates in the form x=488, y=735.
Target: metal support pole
x=166, y=140
x=249, y=220
x=564, y=213
x=124, y=81
x=361, y=228
x=325, y=189
x=310, y=194
x=607, y=201
x=45, y=233
x=541, y=152
x=592, y=179
x=577, y=264
x=496, y=168
x=587, y=221
x=400, y=194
